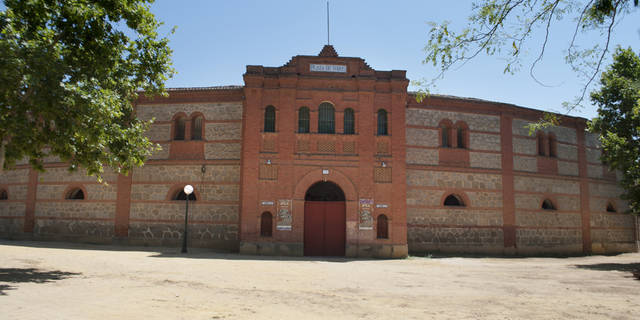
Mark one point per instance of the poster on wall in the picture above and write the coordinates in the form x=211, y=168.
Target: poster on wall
x=366, y=217
x=284, y=215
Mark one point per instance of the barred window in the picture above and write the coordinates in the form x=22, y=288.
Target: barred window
x=196, y=128
x=552, y=146
x=610, y=207
x=382, y=230
x=180, y=195
x=270, y=119
x=382, y=122
x=453, y=200
x=326, y=118
x=349, y=121
x=548, y=205
x=445, y=131
x=303, y=120
x=179, y=127
x=541, y=151
x=461, y=133
x=266, y=224
x=3, y=194
x=75, y=194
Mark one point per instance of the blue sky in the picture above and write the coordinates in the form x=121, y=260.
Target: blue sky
x=215, y=40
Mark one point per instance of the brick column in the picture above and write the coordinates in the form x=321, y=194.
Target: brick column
x=30, y=203
x=584, y=189
x=123, y=205
x=508, y=197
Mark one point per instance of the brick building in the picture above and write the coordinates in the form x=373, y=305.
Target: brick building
x=327, y=156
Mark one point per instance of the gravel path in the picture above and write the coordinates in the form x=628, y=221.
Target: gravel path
x=44, y=280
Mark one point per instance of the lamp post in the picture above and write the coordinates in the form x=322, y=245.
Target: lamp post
x=188, y=189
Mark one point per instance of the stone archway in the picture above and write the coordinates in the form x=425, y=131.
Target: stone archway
x=324, y=220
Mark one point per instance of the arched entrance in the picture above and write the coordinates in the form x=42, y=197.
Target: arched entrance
x=324, y=220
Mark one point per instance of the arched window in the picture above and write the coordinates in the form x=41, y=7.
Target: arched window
x=460, y=132
x=349, y=121
x=266, y=225
x=552, y=146
x=445, y=131
x=180, y=195
x=303, y=120
x=179, y=127
x=382, y=230
x=326, y=118
x=610, y=207
x=541, y=151
x=196, y=128
x=270, y=119
x=548, y=205
x=75, y=194
x=453, y=200
x=382, y=123
x=3, y=194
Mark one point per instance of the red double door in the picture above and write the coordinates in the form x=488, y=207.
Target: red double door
x=324, y=228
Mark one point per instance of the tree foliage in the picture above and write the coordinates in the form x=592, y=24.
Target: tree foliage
x=618, y=120
x=506, y=27
x=70, y=74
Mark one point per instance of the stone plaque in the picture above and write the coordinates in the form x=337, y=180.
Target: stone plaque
x=366, y=217
x=284, y=215
x=327, y=68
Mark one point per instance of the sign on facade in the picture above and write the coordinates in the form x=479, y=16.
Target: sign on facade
x=284, y=215
x=366, y=218
x=327, y=68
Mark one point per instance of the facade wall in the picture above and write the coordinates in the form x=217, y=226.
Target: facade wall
x=500, y=173
x=509, y=217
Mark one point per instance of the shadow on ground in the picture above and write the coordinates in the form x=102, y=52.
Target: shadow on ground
x=633, y=268
x=19, y=275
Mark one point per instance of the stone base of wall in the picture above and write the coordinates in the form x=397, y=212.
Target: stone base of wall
x=380, y=251
x=423, y=240
x=294, y=249
x=100, y=232
x=613, y=248
x=12, y=228
x=221, y=237
x=384, y=251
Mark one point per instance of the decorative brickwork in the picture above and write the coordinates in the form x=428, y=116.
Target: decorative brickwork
x=268, y=172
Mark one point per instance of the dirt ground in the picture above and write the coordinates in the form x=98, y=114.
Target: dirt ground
x=45, y=280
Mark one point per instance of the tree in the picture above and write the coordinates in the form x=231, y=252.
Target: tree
x=70, y=75
x=618, y=121
x=504, y=27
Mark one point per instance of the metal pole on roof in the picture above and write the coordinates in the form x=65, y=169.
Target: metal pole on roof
x=328, y=23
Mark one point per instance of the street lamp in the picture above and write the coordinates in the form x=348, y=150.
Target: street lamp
x=188, y=189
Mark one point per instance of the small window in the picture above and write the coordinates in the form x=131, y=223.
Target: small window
x=548, y=205
x=266, y=224
x=349, y=121
x=196, y=128
x=552, y=146
x=180, y=195
x=179, y=128
x=460, y=135
x=270, y=119
x=541, y=144
x=303, y=120
x=326, y=118
x=382, y=123
x=611, y=208
x=445, y=131
x=382, y=231
x=3, y=194
x=75, y=194
x=453, y=200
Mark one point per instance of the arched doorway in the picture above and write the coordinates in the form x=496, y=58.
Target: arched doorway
x=324, y=220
